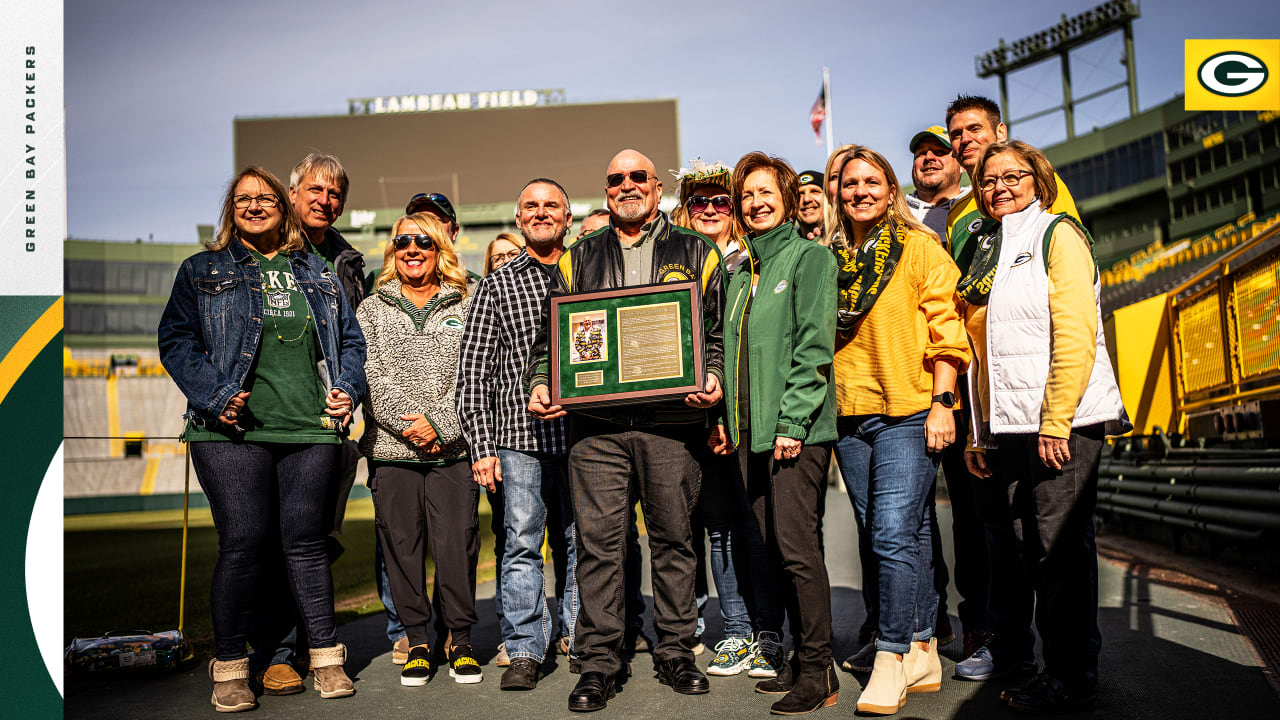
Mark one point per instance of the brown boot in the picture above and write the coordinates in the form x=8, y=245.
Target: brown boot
x=331, y=680
x=231, y=691
x=279, y=679
x=400, y=651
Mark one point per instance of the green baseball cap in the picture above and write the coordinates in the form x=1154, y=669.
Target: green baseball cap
x=937, y=132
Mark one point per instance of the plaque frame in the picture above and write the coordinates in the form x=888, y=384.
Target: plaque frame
x=686, y=295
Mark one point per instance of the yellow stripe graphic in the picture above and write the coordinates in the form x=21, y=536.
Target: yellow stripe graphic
x=29, y=346
x=149, y=476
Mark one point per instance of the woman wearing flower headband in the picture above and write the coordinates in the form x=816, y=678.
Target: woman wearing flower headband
x=901, y=345
x=706, y=205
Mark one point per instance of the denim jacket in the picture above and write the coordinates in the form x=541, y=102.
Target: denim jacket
x=212, y=326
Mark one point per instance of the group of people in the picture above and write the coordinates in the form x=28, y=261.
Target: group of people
x=841, y=316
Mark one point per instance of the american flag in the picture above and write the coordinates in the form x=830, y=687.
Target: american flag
x=818, y=113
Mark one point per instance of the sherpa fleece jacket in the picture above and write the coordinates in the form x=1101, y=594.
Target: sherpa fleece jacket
x=411, y=366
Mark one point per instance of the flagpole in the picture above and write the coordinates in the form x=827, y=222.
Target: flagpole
x=826, y=100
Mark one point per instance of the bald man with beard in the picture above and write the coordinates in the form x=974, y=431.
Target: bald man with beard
x=619, y=453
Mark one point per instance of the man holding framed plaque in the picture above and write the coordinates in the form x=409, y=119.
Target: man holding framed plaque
x=633, y=346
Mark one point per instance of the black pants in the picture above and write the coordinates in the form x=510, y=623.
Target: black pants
x=416, y=506
x=787, y=500
x=967, y=531
x=268, y=498
x=609, y=466
x=1049, y=514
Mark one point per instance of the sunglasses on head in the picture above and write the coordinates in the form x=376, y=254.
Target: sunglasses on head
x=424, y=242
x=422, y=201
x=698, y=204
x=637, y=176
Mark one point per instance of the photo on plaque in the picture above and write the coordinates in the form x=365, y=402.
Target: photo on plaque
x=637, y=344
x=590, y=337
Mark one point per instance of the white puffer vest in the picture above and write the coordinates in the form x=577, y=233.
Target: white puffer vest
x=1018, y=340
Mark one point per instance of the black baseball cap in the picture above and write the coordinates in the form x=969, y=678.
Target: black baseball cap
x=810, y=177
x=431, y=201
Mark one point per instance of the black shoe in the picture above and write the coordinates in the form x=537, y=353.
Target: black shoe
x=1048, y=695
x=812, y=690
x=593, y=691
x=463, y=666
x=522, y=674
x=417, y=670
x=784, y=682
x=683, y=676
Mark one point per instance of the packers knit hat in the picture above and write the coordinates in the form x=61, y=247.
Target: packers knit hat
x=937, y=132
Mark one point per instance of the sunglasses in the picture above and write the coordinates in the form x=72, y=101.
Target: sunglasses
x=638, y=177
x=698, y=204
x=424, y=242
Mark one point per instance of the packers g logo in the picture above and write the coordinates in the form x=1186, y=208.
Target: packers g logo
x=1232, y=74
x=975, y=226
x=453, y=321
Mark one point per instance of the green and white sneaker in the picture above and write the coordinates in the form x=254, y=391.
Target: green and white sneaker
x=769, y=657
x=733, y=655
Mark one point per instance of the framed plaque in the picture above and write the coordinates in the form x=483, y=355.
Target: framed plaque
x=630, y=345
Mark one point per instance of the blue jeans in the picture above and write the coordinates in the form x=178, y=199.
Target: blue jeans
x=529, y=483
x=395, y=628
x=264, y=496
x=890, y=477
x=723, y=509
x=498, y=524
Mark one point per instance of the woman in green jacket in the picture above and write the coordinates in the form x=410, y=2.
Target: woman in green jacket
x=780, y=415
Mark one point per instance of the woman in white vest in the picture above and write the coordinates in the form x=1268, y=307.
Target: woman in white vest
x=1043, y=398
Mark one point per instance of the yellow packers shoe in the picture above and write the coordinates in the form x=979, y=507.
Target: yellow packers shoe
x=463, y=667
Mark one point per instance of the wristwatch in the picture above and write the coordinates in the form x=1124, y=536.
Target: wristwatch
x=948, y=399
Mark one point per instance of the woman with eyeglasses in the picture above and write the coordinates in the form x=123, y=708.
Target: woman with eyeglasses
x=502, y=250
x=706, y=205
x=423, y=494
x=1033, y=315
x=780, y=407
x=260, y=338
x=900, y=348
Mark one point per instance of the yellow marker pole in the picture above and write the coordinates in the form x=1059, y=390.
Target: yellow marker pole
x=186, y=502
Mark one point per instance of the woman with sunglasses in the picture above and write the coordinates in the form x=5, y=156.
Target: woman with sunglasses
x=900, y=347
x=1033, y=315
x=502, y=250
x=259, y=337
x=706, y=205
x=779, y=342
x=423, y=494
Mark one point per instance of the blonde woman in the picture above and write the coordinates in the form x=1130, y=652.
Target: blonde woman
x=502, y=250
x=423, y=494
x=900, y=348
x=830, y=197
x=247, y=329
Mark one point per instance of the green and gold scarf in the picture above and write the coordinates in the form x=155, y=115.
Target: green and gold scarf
x=865, y=272
x=975, y=287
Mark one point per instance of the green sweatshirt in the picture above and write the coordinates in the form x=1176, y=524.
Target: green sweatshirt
x=790, y=340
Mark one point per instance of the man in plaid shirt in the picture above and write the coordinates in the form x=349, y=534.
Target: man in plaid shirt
x=510, y=446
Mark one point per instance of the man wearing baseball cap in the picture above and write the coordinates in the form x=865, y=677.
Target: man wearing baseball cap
x=811, y=205
x=936, y=174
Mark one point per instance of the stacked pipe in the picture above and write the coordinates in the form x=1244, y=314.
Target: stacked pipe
x=1228, y=493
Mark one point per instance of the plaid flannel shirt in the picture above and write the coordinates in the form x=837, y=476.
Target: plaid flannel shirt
x=492, y=402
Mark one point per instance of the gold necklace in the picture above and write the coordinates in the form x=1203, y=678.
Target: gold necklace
x=305, y=326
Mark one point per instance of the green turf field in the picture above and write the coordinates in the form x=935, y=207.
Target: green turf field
x=122, y=570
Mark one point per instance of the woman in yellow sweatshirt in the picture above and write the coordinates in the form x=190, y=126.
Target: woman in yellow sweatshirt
x=900, y=344
x=1043, y=398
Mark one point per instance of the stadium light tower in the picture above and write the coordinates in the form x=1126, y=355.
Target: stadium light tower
x=1059, y=40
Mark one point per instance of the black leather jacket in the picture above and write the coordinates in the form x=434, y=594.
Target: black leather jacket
x=679, y=254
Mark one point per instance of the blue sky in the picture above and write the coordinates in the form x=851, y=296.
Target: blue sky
x=152, y=86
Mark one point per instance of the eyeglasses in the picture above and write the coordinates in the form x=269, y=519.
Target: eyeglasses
x=1010, y=179
x=497, y=260
x=424, y=242
x=422, y=201
x=698, y=204
x=266, y=201
x=638, y=177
